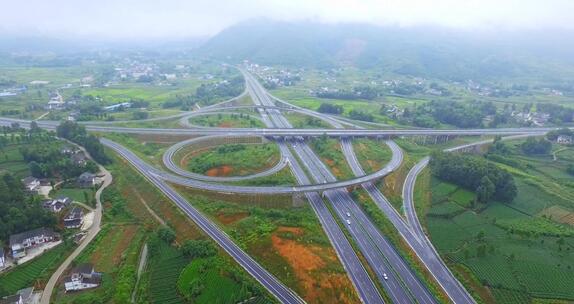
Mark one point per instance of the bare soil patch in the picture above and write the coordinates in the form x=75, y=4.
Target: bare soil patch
x=309, y=263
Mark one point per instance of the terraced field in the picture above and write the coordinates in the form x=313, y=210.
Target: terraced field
x=32, y=273
x=520, y=251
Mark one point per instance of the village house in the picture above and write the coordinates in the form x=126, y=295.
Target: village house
x=119, y=106
x=57, y=205
x=79, y=159
x=69, y=150
x=74, y=219
x=56, y=102
x=23, y=296
x=29, y=239
x=27, y=295
x=564, y=140
x=31, y=184
x=15, y=299
x=82, y=277
x=86, y=180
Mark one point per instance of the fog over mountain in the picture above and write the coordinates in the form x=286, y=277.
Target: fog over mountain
x=439, y=51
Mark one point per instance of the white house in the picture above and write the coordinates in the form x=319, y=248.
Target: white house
x=564, y=139
x=118, y=106
x=31, y=184
x=21, y=241
x=2, y=258
x=82, y=277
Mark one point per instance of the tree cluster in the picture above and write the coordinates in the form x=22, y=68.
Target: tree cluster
x=206, y=93
x=360, y=115
x=558, y=113
x=77, y=133
x=198, y=249
x=536, y=147
x=362, y=92
x=47, y=161
x=19, y=213
x=330, y=108
x=476, y=174
x=462, y=115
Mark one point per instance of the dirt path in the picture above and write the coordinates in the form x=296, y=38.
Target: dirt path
x=159, y=219
x=142, y=264
x=94, y=230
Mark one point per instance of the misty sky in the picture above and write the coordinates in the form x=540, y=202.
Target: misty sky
x=180, y=18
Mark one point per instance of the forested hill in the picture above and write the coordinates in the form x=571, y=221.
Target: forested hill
x=413, y=51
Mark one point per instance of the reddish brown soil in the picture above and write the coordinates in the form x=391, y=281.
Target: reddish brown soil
x=226, y=124
x=309, y=262
x=220, y=171
x=228, y=219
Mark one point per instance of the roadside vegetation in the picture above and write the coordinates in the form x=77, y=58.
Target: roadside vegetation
x=234, y=120
x=329, y=151
x=373, y=155
x=287, y=241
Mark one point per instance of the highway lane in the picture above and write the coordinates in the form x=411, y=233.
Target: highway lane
x=364, y=285
x=274, y=286
x=454, y=291
x=402, y=285
x=287, y=132
x=424, y=251
x=383, y=259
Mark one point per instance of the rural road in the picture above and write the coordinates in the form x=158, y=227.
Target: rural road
x=92, y=232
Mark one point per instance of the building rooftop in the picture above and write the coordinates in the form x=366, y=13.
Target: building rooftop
x=20, y=237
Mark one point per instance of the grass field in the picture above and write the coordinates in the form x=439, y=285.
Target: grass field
x=372, y=155
x=75, y=194
x=301, y=121
x=519, y=251
x=232, y=160
x=227, y=121
x=329, y=151
x=11, y=161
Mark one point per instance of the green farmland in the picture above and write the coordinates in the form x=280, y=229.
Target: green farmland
x=520, y=252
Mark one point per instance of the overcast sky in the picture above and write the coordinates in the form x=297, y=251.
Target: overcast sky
x=187, y=18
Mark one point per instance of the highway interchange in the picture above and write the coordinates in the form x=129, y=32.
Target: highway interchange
x=324, y=194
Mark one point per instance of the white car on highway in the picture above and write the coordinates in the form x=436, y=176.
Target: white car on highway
x=348, y=222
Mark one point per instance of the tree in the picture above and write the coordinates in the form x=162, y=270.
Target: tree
x=485, y=190
x=198, y=249
x=166, y=234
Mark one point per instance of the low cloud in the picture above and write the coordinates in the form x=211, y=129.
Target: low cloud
x=136, y=19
